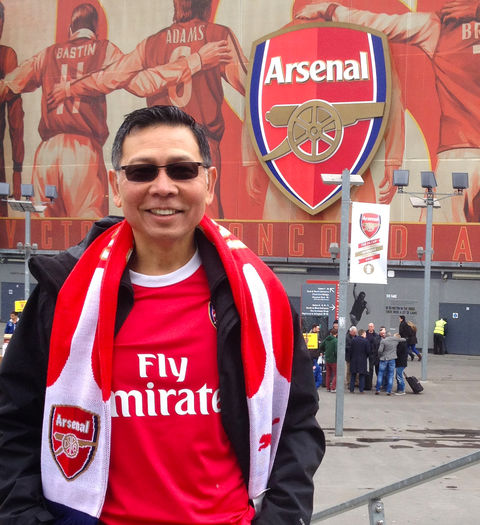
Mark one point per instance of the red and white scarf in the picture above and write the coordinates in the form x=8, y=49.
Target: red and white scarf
x=77, y=420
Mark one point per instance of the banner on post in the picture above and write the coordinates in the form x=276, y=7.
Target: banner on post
x=369, y=243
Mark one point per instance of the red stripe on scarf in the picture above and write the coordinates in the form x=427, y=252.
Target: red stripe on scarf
x=254, y=358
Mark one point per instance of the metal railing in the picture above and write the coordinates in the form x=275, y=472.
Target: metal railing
x=374, y=499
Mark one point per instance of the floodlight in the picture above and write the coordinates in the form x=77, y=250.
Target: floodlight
x=428, y=180
x=400, y=178
x=27, y=190
x=460, y=181
x=4, y=189
x=51, y=192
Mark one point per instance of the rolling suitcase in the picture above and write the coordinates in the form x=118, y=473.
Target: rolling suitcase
x=414, y=383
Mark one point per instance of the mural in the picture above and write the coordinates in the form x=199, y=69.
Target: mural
x=71, y=69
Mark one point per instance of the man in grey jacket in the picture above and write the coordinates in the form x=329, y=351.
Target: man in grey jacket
x=387, y=352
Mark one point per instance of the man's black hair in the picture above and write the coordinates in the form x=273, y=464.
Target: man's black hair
x=156, y=116
x=2, y=11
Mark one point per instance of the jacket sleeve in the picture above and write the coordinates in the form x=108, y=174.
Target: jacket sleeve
x=289, y=498
x=381, y=348
x=22, y=390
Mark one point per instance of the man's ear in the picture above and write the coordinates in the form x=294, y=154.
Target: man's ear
x=211, y=179
x=113, y=180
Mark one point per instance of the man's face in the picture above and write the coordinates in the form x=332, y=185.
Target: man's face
x=371, y=327
x=382, y=332
x=163, y=211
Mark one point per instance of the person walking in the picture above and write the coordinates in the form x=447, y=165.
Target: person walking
x=387, y=352
x=359, y=353
x=401, y=363
x=406, y=330
x=439, y=336
x=329, y=348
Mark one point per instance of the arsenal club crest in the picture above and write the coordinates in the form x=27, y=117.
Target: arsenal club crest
x=73, y=438
x=318, y=101
x=370, y=224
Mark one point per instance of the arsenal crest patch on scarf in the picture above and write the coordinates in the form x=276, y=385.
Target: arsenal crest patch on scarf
x=77, y=419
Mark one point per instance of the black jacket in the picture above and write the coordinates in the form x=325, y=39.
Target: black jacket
x=374, y=340
x=289, y=499
x=359, y=353
x=402, y=354
x=406, y=331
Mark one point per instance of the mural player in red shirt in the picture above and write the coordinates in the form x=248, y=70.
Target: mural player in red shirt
x=70, y=155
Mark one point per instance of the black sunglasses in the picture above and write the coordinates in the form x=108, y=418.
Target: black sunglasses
x=182, y=170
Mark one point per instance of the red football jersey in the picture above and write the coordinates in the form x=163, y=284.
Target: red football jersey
x=60, y=63
x=166, y=427
x=202, y=97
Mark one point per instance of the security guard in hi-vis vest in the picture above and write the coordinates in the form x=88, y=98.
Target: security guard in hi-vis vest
x=439, y=336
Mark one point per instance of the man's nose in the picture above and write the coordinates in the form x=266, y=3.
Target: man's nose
x=163, y=183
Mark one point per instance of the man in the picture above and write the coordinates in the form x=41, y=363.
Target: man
x=12, y=323
x=449, y=38
x=374, y=340
x=13, y=111
x=401, y=362
x=382, y=333
x=121, y=402
x=352, y=332
x=210, y=53
x=388, y=354
x=329, y=348
x=315, y=354
x=70, y=155
x=359, y=353
x=405, y=330
x=9, y=329
x=439, y=336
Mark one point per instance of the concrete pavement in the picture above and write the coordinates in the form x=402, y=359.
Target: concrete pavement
x=389, y=438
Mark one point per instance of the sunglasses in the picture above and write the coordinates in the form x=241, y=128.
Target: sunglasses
x=183, y=170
